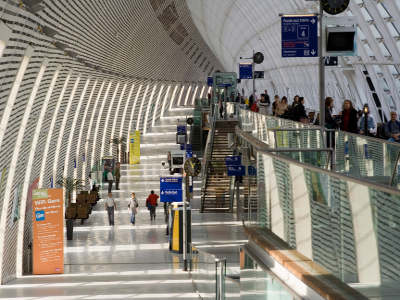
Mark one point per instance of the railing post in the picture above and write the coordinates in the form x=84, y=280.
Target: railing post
x=220, y=278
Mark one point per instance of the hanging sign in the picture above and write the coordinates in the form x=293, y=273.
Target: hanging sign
x=300, y=36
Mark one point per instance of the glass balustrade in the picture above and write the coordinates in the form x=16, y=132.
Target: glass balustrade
x=362, y=157
x=349, y=226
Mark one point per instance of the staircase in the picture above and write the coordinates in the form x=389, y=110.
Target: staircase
x=215, y=194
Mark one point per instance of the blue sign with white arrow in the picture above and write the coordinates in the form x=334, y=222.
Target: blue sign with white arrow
x=236, y=170
x=170, y=183
x=171, y=196
x=171, y=189
x=246, y=71
x=233, y=160
x=300, y=36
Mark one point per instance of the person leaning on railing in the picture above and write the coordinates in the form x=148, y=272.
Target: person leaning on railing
x=392, y=128
x=348, y=117
x=367, y=122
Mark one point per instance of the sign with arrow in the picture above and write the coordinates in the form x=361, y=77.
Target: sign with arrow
x=171, y=196
x=300, y=36
x=170, y=189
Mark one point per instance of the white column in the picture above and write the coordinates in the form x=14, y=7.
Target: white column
x=202, y=92
x=146, y=117
x=141, y=107
x=173, y=97
x=302, y=211
x=72, y=132
x=187, y=95
x=194, y=94
x=5, y=34
x=165, y=102
x=83, y=123
x=32, y=151
x=50, y=132
x=180, y=96
x=365, y=239
x=121, y=130
x=156, y=106
x=116, y=118
x=108, y=112
x=62, y=128
x=98, y=122
x=14, y=161
x=14, y=93
x=97, y=103
x=131, y=116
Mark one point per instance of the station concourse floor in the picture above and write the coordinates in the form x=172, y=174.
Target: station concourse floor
x=131, y=261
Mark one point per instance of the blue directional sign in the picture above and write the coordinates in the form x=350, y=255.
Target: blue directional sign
x=246, y=71
x=170, y=189
x=181, y=129
x=189, y=153
x=252, y=171
x=171, y=196
x=233, y=160
x=170, y=183
x=210, y=81
x=236, y=170
x=300, y=36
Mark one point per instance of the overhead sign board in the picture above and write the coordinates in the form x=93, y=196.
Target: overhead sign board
x=300, y=36
x=246, y=71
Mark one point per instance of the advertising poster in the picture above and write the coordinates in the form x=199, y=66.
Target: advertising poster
x=134, y=148
x=48, y=231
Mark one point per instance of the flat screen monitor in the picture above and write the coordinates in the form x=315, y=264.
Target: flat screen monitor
x=341, y=40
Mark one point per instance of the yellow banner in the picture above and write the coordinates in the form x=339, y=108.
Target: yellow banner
x=134, y=148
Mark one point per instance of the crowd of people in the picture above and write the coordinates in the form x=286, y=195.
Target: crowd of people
x=348, y=119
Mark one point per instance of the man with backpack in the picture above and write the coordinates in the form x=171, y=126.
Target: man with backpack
x=151, y=203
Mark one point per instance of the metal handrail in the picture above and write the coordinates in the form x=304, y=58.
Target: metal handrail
x=316, y=127
x=207, y=154
x=264, y=149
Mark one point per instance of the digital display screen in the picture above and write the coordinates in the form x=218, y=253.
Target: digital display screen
x=177, y=160
x=340, y=41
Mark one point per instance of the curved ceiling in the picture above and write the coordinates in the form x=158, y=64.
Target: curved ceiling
x=75, y=74
x=234, y=28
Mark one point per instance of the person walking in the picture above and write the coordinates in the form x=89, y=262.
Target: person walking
x=110, y=179
x=133, y=208
x=110, y=207
x=117, y=175
x=151, y=203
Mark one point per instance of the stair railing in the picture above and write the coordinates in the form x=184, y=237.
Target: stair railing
x=207, y=154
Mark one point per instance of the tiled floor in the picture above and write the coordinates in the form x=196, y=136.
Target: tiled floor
x=126, y=261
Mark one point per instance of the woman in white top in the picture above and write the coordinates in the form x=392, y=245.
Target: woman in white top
x=133, y=208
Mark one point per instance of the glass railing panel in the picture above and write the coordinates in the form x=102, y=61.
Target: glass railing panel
x=363, y=157
x=204, y=273
x=257, y=283
x=348, y=226
x=367, y=158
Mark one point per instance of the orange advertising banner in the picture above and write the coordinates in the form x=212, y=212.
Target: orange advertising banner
x=48, y=231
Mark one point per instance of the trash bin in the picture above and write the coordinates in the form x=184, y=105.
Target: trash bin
x=176, y=228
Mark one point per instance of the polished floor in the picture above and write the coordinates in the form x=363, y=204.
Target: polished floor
x=132, y=261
